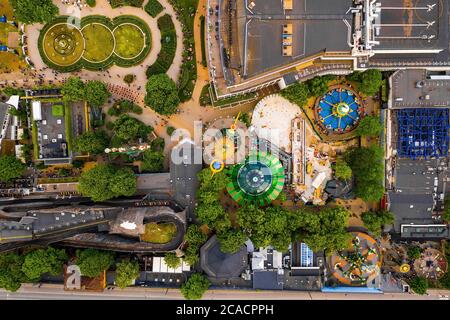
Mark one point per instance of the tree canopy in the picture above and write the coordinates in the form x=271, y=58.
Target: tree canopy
x=195, y=287
x=129, y=129
x=73, y=89
x=231, y=240
x=318, y=86
x=162, y=94
x=34, y=11
x=342, y=170
x=11, y=274
x=368, y=170
x=93, y=262
x=105, y=182
x=42, y=261
x=419, y=285
x=195, y=238
x=94, y=142
x=370, y=126
x=126, y=273
x=374, y=221
x=369, y=81
x=172, y=260
x=96, y=93
x=152, y=161
x=297, y=93
x=10, y=168
x=325, y=229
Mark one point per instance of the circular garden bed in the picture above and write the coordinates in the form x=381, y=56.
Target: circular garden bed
x=68, y=44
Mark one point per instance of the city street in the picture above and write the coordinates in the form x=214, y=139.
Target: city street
x=55, y=291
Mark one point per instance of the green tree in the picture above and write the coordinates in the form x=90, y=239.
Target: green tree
x=195, y=287
x=96, y=93
x=318, y=86
x=126, y=273
x=342, y=170
x=94, y=142
x=374, y=221
x=11, y=274
x=231, y=240
x=191, y=256
x=152, y=161
x=369, y=126
x=42, y=261
x=208, y=213
x=73, y=90
x=129, y=129
x=414, y=252
x=172, y=260
x=34, y=11
x=369, y=81
x=105, y=182
x=10, y=168
x=162, y=94
x=194, y=236
x=368, y=170
x=93, y=262
x=297, y=93
x=419, y=285
x=323, y=230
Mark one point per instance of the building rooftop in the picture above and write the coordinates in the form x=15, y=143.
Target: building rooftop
x=222, y=265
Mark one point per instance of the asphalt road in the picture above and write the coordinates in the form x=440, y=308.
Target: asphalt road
x=56, y=292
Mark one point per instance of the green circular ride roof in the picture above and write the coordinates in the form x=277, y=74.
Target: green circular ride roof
x=259, y=179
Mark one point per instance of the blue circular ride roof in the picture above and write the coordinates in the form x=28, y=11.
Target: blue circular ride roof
x=338, y=110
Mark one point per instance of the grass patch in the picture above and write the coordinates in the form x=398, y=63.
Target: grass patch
x=58, y=110
x=153, y=8
x=129, y=41
x=99, y=42
x=159, y=232
x=68, y=124
x=202, y=35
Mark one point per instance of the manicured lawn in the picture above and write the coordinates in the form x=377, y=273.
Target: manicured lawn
x=9, y=62
x=5, y=29
x=63, y=45
x=58, y=110
x=129, y=41
x=6, y=9
x=159, y=232
x=99, y=42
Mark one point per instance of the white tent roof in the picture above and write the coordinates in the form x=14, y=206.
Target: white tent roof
x=159, y=265
x=37, y=112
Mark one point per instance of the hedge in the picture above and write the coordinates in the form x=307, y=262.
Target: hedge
x=122, y=3
x=114, y=59
x=153, y=8
x=168, y=46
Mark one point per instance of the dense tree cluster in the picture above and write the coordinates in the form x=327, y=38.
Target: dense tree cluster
x=368, y=169
x=419, y=285
x=162, y=94
x=194, y=238
x=342, y=170
x=129, y=129
x=94, y=142
x=369, y=81
x=299, y=92
x=126, y=272
x=34, y=11
x=195, y=287
x=94, y=92
x=374, y=221
x=42, y=261
x=10, y=168
x=93, y=262
x=370, y=126
x=11, y=274
x=105, y=182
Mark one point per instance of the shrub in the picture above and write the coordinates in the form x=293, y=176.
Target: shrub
x=91, y=3
x=129, y=78
x=419, y=285
x=195, y=287
x=153, y=8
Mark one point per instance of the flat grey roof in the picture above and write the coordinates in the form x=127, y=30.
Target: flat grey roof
x=412, y=202
x=406, y=92
x=317, y=27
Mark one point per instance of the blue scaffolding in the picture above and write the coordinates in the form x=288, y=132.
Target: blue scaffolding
x=423, y=132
